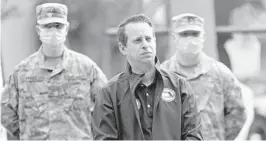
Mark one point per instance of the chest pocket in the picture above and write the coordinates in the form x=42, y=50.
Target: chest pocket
x=77, y=91
x=206, y=90
x=33, y=96
x=202, y=93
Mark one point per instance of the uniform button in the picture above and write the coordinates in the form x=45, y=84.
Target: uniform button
x=149, y=106
x=147, y=94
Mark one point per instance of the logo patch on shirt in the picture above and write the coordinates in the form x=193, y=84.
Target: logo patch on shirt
x=138, y=103
x=168, y=95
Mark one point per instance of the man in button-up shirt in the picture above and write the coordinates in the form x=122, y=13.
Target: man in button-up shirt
x=144, y=102
x=144, y=96
x=218, y=92
x=50, y=94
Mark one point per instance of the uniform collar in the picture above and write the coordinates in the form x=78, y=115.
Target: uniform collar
x=201, y=68
x=61, y=67
x=65, y=58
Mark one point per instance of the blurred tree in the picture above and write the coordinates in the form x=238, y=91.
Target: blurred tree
x=18, y=33
x=6, y=10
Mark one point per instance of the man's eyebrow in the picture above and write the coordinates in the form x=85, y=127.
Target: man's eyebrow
x=137, y=37
x=148, y=36
x=190, y=32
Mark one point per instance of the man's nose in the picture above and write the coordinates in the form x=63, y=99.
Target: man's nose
x=53, y=29
x=145, y=44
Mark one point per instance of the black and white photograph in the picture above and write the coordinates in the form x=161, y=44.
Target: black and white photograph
x=133, y=70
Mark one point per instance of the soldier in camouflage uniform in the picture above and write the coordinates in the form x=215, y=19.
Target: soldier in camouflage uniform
x=218, y=91
x=50, y=94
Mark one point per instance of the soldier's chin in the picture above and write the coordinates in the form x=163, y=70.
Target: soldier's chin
x=190, y=54
x=55, y=45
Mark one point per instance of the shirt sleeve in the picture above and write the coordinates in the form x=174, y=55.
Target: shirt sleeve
x=248, y=98
x=104, y=125
x=191, y=121
x=98, y=81
x=9, y=108
x=234, y=110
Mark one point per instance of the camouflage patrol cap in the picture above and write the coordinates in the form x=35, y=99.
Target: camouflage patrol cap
x=187, y=21
x=51, y=12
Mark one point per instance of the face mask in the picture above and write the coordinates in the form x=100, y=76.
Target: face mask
x=52, y=36
x=190, y=45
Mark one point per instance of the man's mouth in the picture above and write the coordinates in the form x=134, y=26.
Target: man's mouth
x=146, y=53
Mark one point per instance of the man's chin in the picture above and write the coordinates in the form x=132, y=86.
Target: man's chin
x=148, y=60
x=191, y=54
x=148, y=63
x=147, y=67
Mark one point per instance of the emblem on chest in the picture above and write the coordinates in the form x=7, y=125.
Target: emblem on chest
x=168, y=95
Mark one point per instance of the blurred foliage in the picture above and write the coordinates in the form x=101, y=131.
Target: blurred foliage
x=7, y=10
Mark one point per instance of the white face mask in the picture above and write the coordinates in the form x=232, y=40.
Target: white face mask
x=53, y=36
x=190, y=45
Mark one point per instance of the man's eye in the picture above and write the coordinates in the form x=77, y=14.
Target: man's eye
x=58, y=26
x=184, y=34
x=148, y=39
x=137, y=40
x=46, y=26
x=195, y=34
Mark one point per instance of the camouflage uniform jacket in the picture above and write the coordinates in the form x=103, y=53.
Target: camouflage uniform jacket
x=218, y=97
x=44, y=103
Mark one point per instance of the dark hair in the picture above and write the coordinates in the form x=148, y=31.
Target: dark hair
x=139, y=18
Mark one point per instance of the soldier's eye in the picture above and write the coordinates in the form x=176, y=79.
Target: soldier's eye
x=148, y=39
x=183, y=34
x=59, y=26
x=51, y=25
x=46, y=26
x=189, y=33
x=195, y=34
x=137, y=40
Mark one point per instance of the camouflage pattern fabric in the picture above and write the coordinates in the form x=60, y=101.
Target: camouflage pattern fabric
x=56, y=104
x=51, y=12
x=218, y=96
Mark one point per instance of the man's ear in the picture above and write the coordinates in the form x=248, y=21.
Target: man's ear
x=67, y=28
x=37, y=28
x=203, y=35
x=122, y=48
x=174, y=36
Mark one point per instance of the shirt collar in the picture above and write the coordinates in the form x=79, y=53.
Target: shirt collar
x=136, y=78
x=65, y=58
x=131, y=74
x=201, y=68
